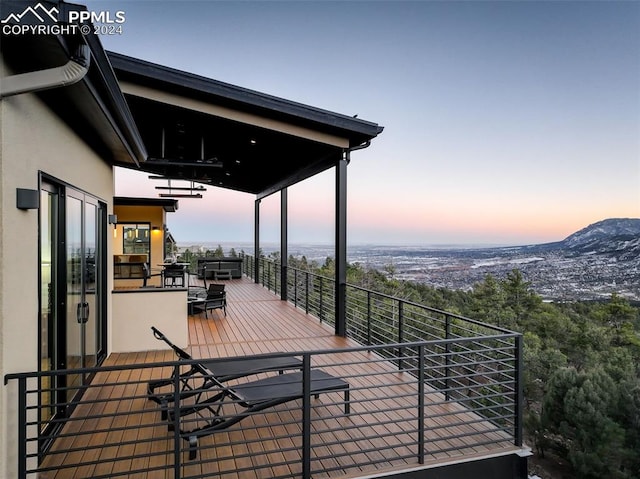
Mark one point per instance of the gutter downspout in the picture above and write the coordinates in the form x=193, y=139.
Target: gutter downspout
x=362, y=146
x=72, y=72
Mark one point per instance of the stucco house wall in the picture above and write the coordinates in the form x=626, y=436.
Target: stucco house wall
x=33, y=140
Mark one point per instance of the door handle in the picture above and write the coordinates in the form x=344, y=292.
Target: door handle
x=82, y=313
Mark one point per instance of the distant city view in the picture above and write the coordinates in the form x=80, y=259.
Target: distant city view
x=589, y=265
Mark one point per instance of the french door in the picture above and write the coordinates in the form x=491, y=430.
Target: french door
x=73, y=290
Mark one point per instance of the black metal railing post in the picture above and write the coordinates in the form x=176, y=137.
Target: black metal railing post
x=400, y=333
x=295, y=287
x=519, y=391
x=306, y=301
x=321, y=312
x=421, y=409
x=447, y=357
x=368, y=317
x=22, y=428
x=306, y=416
x=176, y=422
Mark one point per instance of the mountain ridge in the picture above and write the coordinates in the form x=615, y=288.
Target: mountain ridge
x=592, y=263
x=614, y=236
x=619, y=237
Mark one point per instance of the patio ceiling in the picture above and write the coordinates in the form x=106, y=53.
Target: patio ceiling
x=202, y=130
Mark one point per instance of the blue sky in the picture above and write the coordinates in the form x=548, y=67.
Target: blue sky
x=505, y=122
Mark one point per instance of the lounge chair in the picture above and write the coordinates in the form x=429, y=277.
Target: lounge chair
x=205, y=374
x=252, y=397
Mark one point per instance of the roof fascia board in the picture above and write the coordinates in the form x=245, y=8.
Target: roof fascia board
x=111, y=121
x=170, y=76
x=231, y=114
x=130, y=136
x=169, y=205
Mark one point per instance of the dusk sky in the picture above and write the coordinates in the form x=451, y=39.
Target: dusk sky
x=504, y=122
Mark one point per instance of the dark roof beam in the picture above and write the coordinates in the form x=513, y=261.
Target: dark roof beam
x=302, y=174
x=180, y=163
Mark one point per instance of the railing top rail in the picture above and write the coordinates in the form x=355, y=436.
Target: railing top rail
x=437, y=311
x=410, y=303
x=184, y=362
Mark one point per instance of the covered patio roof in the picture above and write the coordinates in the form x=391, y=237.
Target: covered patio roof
x=205, y=131
x=198, y=129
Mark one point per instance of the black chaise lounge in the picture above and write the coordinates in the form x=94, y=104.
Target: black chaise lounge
x=205, y=374
x=246, y=399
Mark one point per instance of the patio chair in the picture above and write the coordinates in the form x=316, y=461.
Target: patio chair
x=216, y=299
x=198, y=377
x=248, y=398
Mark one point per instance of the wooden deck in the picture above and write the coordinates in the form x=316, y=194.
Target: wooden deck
x=375, y=432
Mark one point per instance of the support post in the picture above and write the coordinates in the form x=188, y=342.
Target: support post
x=519, y=390
x=341, y=246
x=256, y=242
x=306, y=416
x=284, y=254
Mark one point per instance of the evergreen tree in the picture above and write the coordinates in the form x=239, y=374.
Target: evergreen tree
x=490, y=303
x=579, y=408
x=518, y=296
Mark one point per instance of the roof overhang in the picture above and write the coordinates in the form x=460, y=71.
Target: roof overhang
x=198, y=129
x=169, y=205
x=94, y=107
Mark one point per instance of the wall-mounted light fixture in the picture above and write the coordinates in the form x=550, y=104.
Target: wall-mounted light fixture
x=27, y=199
x=113, y=220
x=155, y=230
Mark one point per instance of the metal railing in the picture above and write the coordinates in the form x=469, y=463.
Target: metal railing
x=396, y=418
x=375, y=318
x=425, y=383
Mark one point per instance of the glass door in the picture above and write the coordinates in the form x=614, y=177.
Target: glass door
x=76, y=310
x=91, y=284
x=73, y=293
x=84, y=281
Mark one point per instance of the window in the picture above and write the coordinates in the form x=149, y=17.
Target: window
x=136, y=239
